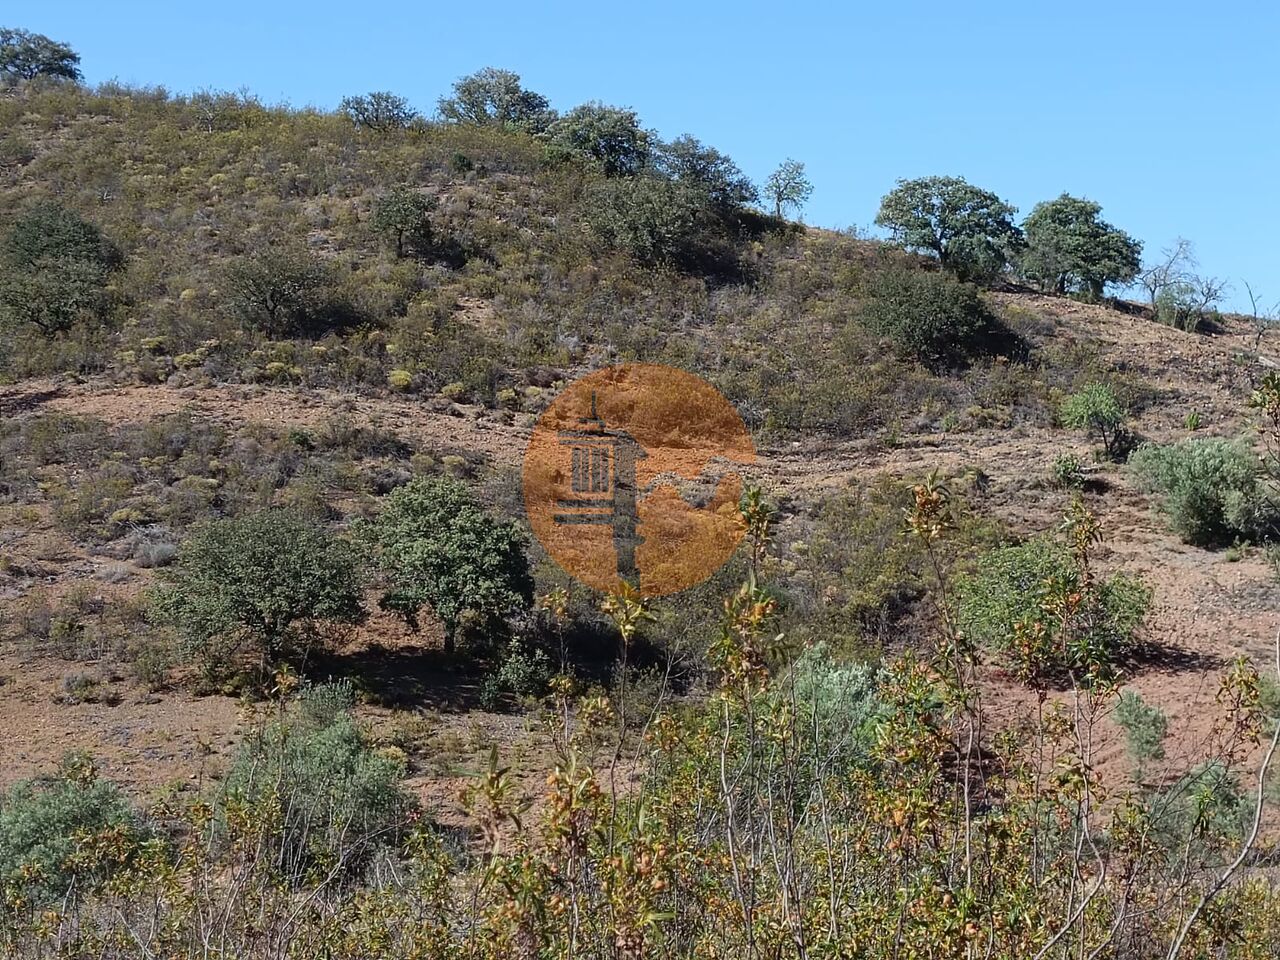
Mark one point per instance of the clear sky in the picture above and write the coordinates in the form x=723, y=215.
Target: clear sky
x=1164, y=112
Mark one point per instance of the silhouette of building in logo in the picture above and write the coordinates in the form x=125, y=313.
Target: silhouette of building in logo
x=603, y=481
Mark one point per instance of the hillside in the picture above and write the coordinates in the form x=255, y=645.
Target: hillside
x=1209, y=607
x=268, y=335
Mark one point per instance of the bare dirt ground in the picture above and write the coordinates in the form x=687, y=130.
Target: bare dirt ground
x=1209, y=607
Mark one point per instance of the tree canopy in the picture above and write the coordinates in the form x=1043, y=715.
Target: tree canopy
x=249, y=582
x=25, y=56
x=609, y=138
x=285, y=291
x=788, y=187
x=54, y=266
x=379, y=110
x=441, y=550
x=402, y=214
x=1070, y=247
x=493, y=96
x=690, y=162
x=970, y=230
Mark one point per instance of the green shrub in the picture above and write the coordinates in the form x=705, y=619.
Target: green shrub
x=45, y=824
x=1210, y=488
x=656, y=221
x=1067, y=471
x=1145, y=728
x=930, y=316
x=403, y=214
x=1096, y=409
x=251, y=583
x=524, y=672
x=315, y=790
x=1031, y=602
x=49, y=232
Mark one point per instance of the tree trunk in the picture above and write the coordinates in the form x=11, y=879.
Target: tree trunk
x=449, y=643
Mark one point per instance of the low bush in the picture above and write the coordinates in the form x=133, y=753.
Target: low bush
x=930, y=316
x=856, y=580
x=1033, y=603
x=1145, y=728
x=1204, y=808
x=1211, y=489
x=1067, y=471
x=524, y=671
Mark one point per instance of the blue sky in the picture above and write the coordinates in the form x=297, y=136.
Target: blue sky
x=1165, y=113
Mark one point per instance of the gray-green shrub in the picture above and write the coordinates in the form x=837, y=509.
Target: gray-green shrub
x=524, y=672
x=324, y=796
x=43, y=823
x=1145, y=728
x=835, y=703
x=1205, y=807
x=1211, y=489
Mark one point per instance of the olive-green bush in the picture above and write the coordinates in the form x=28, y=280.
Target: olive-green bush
x=286, y=293
x=252, y=583
x=54, y=269
x=930, y=316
